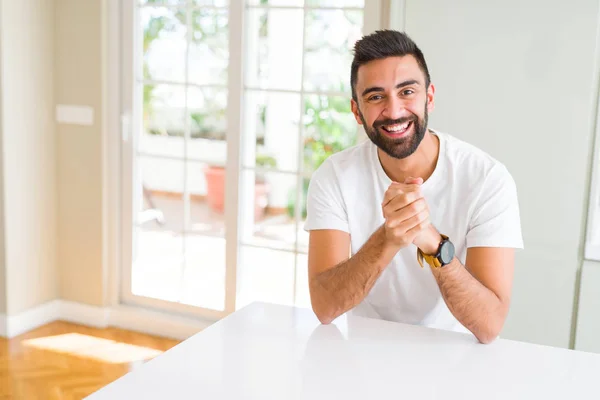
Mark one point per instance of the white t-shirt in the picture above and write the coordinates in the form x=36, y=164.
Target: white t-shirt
x=472, y=198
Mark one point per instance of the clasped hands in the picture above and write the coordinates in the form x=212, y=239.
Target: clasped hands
x=407, y=219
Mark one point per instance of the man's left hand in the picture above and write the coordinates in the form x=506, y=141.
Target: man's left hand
x=428, y=241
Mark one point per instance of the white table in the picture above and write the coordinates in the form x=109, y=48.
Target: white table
x=266, y=351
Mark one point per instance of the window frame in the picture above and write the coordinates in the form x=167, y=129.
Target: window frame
x=236, y=89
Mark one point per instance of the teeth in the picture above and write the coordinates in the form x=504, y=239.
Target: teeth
x=397, y=128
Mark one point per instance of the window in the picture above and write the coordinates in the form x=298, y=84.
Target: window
x=229, y=121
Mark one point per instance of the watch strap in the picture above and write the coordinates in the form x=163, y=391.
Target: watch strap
x=432, y=260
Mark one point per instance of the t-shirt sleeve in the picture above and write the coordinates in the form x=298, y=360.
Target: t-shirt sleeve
x=496, y=221
x=325, y=208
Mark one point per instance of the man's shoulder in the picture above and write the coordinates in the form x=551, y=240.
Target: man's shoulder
x=470, y=157
x=353, y=154
x=479, y=169
x=347, y=161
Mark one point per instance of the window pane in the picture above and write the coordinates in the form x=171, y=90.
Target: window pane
x=271, y=130
x=204, y=274
x=335, y=3
x=209, y=49
x=158, y=239
x=160, y=194
x=214, y=3
x=208, y=122
x=157, y=264
x=274, y=48
x=329, y=126
x=163, y=120
x=265, y=275
x=267, y=212
x=287, y=3
x=164, y=43
x=302, y=290
x=330, y=37
x=302, y=234
x=206, y=185
x=183, y=3
x=164, y=2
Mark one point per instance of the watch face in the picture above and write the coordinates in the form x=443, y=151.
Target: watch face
x=447, y=252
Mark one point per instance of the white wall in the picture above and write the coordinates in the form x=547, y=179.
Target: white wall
x=3, y=269
x=516, y=79
x=28, y=142
x=79, y=80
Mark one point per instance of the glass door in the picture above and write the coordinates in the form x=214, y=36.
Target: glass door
x=228, y=108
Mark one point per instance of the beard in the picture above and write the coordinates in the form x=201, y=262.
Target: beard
x=401, y=147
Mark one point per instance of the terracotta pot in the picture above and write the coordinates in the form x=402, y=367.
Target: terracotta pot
x=215, y=188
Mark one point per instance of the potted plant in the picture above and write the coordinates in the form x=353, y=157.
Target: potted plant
x=215, y=185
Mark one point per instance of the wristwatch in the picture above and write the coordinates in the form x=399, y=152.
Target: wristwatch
x=444, y=255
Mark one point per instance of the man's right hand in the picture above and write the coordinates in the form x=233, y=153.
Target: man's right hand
x=405, y=211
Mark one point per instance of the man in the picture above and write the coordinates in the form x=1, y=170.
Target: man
x=410, y=197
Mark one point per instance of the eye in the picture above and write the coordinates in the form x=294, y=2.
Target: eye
x=375, y=97
x=407, y=92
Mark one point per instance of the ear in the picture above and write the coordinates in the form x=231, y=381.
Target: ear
x=354, y=107
x=430, y=98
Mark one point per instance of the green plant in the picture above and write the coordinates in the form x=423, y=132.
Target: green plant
x=206, y=124
x=329, y=127
x=291, y=206
x=264, y=160
x=208, y=31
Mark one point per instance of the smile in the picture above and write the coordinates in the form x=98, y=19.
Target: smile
x=397, y=130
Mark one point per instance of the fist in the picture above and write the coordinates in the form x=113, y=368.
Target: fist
x=405, y=211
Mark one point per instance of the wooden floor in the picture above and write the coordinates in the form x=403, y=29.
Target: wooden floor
x=67, y=361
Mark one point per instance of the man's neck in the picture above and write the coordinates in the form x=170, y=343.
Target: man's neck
x=420, y=164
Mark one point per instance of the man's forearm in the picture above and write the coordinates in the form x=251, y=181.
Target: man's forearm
x=471, y=303
x=337, y=290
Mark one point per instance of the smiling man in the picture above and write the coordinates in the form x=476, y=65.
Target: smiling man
x=413, y=225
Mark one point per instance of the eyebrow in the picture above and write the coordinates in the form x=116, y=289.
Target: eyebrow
x=398, y=86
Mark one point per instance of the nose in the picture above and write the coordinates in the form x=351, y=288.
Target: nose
x=394, y=108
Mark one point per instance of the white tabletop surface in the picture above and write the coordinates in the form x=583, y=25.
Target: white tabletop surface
x=266, y=351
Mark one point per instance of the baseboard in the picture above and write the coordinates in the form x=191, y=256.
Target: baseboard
x=3, y=325
x=156, y=323
x=35, y=317
x=125, y=317
x=84, y=314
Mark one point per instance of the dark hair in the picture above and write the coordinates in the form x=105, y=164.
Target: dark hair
x=382, y=44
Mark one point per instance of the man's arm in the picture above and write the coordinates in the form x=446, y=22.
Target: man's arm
x=338, y=283
x=477, y=294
